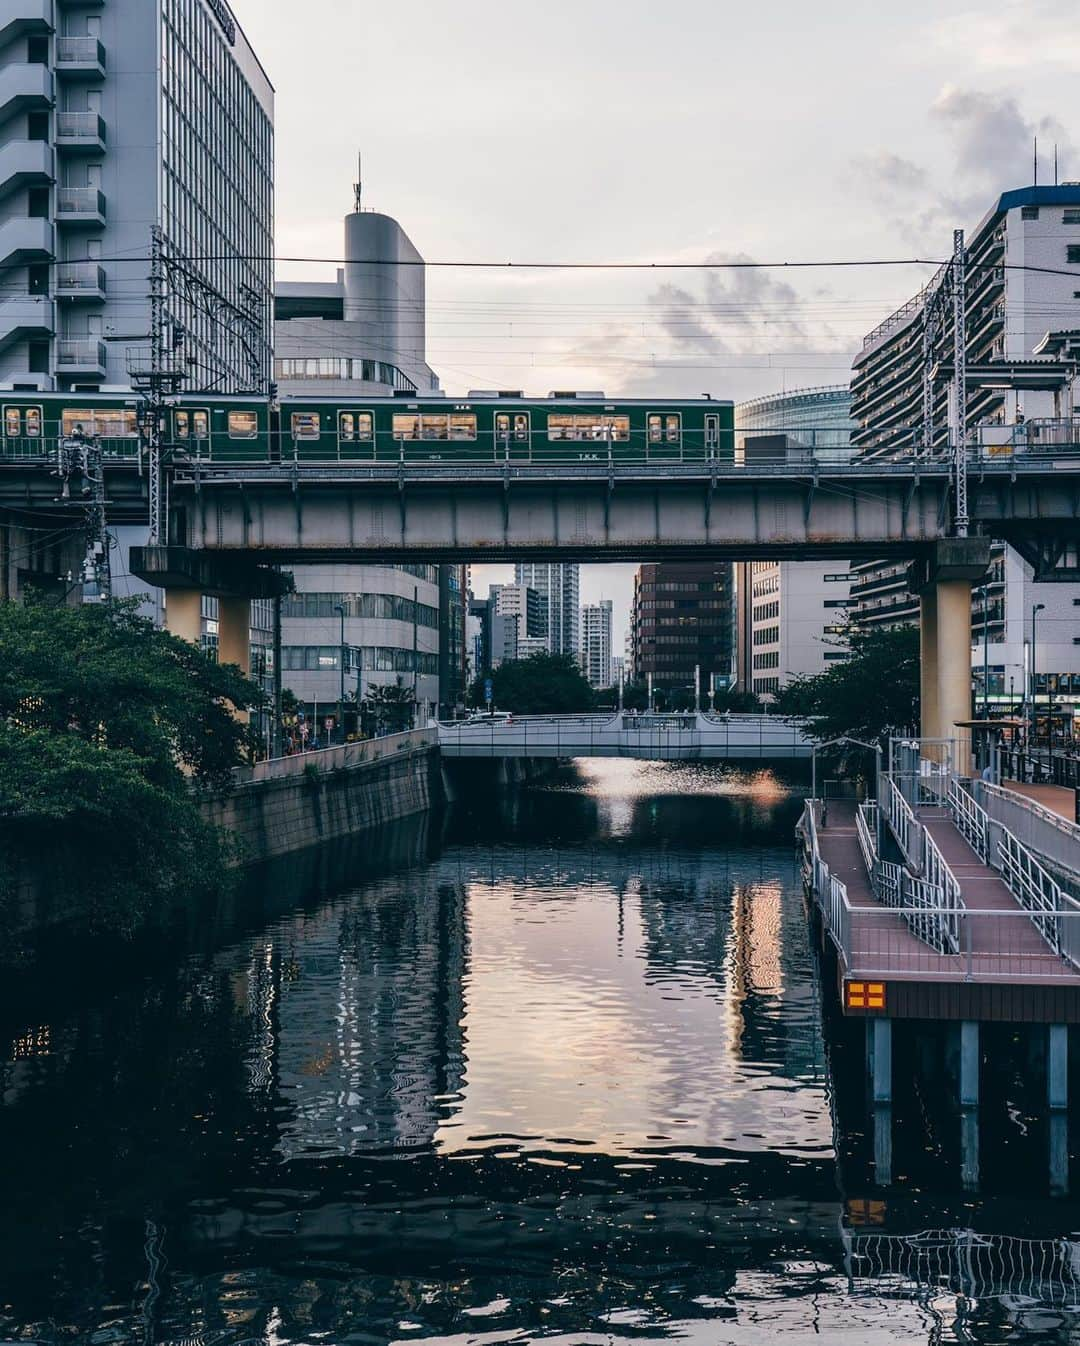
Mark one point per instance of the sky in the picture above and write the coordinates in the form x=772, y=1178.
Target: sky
x=627, y=131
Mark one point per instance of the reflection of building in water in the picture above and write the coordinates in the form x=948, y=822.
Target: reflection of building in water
x=363, y=1020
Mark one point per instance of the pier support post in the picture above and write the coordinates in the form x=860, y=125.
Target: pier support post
x=1057, y=1066
x=879, y=1059
x=969, y=1148
x=183, y=614
x=969, y=1064
x=928, y=663
x=1059, y=1153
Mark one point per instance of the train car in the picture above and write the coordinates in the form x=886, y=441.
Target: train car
x=482, y=428
x=565, y=427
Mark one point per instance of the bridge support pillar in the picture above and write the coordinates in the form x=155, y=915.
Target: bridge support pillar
x=954, y=667
x=234, y=638
x=969, y=1064
x=183, y=614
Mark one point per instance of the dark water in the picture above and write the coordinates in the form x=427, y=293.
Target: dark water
x=565, y=1079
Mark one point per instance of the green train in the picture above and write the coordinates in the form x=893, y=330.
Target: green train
x=485, y=428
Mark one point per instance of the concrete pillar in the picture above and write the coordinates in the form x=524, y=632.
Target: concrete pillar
x=183, y=614
x=234, y=633
x=883, y=1146
x=1057, y=1066
x=928, y=667
x=234, y=639
x=954, y=666
x=1059, y=1153
x=969, y=1064
x=879, y=1058
x=969, y=1149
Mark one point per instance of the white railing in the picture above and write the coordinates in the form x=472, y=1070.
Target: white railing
x=970, y=820
x=866, y=827
x=829, y=892
x=932, y=893
x=1042, y=896
x=942, y=891
x=902, y=820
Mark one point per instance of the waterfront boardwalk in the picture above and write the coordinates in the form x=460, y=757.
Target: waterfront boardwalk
x=1003, y=967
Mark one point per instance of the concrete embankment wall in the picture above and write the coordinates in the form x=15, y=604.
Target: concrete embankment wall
x=287, y=805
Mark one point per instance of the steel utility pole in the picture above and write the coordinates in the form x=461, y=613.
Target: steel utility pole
x=339, y=608
x=958, y=428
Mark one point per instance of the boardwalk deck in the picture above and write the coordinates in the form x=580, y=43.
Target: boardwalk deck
x=1057, y=799
x=1002, y=955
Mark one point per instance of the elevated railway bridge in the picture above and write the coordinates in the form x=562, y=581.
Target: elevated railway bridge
x=239, y=490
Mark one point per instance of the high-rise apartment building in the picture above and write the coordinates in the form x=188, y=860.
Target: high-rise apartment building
x=1023, y=284
x=683, y=625
x=596, y=658
x=790, y=612
x=559, y=587
x=365, y=335
x=523, y=604
x=117, y=120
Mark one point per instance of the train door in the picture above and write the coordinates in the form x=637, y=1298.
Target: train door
x=664, y=436
x=191, y=430
x=513, y=436
x=23, y=431
x=306, y=433
x=712, y=436
x=356, y=435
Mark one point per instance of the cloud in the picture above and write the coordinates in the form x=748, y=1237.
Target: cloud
x=988, y=149
x=1021, y=35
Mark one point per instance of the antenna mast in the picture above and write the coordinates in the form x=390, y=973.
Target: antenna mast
x=358, y=188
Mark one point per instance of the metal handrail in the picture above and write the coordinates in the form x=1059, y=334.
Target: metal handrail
x=970, y=819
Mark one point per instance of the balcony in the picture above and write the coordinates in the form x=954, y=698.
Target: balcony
x=24, y=163
x=23, y=18
x=82, y=357
x=80, y=282
x=24, y=87
x=80, y=132
x=80, y=58
x=25, y=239
x=80, y=207
x=24, y=317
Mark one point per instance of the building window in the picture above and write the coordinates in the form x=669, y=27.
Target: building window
x=1072, y=254
x=1029, y=212
x=243, y=425
x=1071, y=217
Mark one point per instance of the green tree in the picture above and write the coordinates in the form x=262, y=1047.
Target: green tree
x=109, y=728
x=388, y=708
x=870, y=694
x=544, y=684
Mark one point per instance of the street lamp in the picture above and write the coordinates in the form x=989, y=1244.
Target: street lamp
x=339, y=608
x=1035, y=608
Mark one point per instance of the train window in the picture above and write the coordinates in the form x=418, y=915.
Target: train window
x=12, y=422
x=434, y=425
x=305, y=425
x=33, y=422
x=200, y=424
x=594, y=426
x=243, y=425
x=712, y=431
x=665, y=429
x=118, y=423
x=183, y=425
x=514, y=427
x=355, y=425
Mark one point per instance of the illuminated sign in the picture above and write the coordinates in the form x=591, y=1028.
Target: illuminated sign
x=864, y=995
x=228, y=23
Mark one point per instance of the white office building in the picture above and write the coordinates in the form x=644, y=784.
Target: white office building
x=790, y=613
x=559, y=587
x=596, y=660
x=363, y=334
x=1021, y=316
x=116, y=119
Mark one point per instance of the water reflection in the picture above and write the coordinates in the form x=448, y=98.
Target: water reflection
x=566, y=1080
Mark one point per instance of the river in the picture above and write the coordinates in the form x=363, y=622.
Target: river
x=565, y=1078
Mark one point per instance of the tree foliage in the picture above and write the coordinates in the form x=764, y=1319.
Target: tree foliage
x=871, y=694
x=544, y=684
x=108, y=727
x=388, y=708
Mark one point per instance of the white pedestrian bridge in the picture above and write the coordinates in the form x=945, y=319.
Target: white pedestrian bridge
x=688, y=736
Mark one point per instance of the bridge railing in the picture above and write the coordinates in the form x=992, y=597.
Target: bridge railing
x=341, y=758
